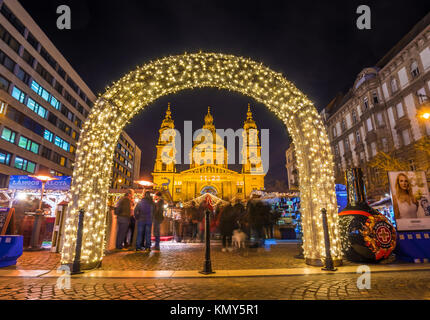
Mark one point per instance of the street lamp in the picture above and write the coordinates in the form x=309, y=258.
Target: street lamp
x=44, y=180
x=144, y=184
x=34, y=241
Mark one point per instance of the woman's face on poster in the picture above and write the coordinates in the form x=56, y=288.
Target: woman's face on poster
x=403, y=183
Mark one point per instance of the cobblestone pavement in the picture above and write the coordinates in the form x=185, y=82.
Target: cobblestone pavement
x=179, y=256
x=394, y=285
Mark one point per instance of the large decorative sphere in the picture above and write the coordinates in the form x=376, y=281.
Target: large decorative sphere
x=367, y=235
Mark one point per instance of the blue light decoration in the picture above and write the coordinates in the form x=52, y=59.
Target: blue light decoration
x=341, y=196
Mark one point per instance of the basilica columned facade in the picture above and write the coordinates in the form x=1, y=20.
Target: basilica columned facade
x=208, y=171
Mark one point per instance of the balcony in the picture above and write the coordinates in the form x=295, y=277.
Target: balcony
x=403, y=124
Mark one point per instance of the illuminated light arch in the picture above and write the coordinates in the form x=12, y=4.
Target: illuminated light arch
x=124, y=99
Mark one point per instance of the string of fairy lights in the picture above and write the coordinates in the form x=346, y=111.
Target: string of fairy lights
x=125, y=98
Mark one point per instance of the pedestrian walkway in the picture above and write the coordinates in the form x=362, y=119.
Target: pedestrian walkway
x=180, y=260
x=338, y=286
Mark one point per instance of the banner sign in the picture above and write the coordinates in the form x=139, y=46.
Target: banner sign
x=29, y=183
x=411, y=200
x=61, y=184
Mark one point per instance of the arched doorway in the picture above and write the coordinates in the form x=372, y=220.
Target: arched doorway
x=126, y=97
x=209, y=189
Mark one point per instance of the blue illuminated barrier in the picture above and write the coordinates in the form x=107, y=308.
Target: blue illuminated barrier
x=413, y=246
x=11, y=248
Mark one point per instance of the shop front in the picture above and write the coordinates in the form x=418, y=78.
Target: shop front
x=36, y=206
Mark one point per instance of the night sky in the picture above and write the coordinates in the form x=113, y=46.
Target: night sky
x=315, y=44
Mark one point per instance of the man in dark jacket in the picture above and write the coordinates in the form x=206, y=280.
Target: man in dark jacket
x=143, y=214
x=123, y=212
x=157, y=219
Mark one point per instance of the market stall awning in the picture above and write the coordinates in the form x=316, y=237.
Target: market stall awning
x=215, y=200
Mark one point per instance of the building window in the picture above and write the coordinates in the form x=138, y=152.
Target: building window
x=380, y=119
x=366, y=103
x=406, y=137
x=5, y=157
x=178, y=190
x=4, y=83
x=62, y=143
x=32, y=40
x=46, y=153
x=37, y=108
x=48, y=135
x=9, y=40
x=44, y=73
x=373, y=148
x=45, y=95
x=25, y=165
x=422, y=97
x=357, y=136
x=343, y=125
x=414, y=69
x=48, y=58
x=61, y=72
x=18, y=94
x=23, y=76
x=400, y=111
x=394, y=86
x=346, y=144
x=239, y=190
x=27, y=57
x=354, y=117
x=28, y=145
x=25, y=121
x=375, y=98
x=7, y=62
x=336, y=150
x=8, y=135
x=369, y=125
x=163, y=167
x=385, y=144
x=12, y=19
x=59, y=159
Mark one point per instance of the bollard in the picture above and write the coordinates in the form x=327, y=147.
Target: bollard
x=76, y=266
x=329, y=265
x=207, y=268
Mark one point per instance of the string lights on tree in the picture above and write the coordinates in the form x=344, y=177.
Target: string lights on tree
x=125, y=98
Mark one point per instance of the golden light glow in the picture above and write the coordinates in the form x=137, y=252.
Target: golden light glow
x=125, y=98
x=44, y=178
x=144, y=183
x=425, y=115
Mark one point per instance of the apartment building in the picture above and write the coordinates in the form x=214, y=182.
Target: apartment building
x=381, y=111
x=43, y=103
x=126, y=168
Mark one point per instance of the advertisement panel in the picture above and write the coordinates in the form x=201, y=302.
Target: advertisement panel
x=411, y=200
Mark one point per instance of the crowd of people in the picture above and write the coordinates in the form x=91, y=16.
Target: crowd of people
x=256, y=220
x=147, y=214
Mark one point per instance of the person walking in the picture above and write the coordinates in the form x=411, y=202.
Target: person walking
x=226, y=225
x=143, y=214
x=193, y=213
x=123, y=211
x=157, y=219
